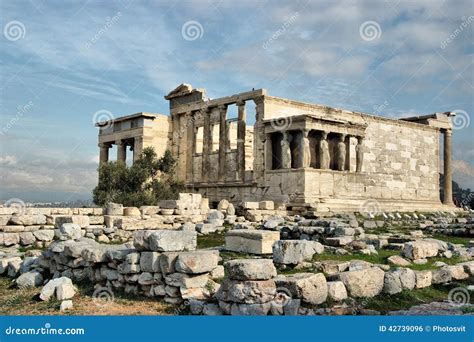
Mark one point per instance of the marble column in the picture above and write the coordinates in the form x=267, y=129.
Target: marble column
x=206, y=146
x=222, y=142
x=305, y=149
x=268, y=152
x=359, y=154
x=121, y=151
x=104, y=153
x=190, y=140
x=448, y=176
x=241, y=127
x=324, y=156
x=137, y=148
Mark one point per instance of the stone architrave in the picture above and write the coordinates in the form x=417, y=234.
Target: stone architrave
x=306, y=155
x=341, y=153
x=359, y=154
x=285, y=152
x=324, y=151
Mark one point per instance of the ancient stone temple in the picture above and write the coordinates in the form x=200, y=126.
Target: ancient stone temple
x=254, y=147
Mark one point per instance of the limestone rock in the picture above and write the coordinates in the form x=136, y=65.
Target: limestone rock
x=114, y=209
x=10, y=239
x=363, y=283
x=27, y=220
x=337, y=291
x=131, y=211
x=310, y=288
x=247, y=292
x=50, y=288
x=65, y=291
x=441, y=276
x=250, y=309
x=420, y=249
x=68, y=231
x=391, y=283
x=27, y=238
x=407, y=278
x=150, y=262
x=250, y=269
x=397, y=261
x=250, y=241
x=423, y=279
x=196, y=262
x=29, y=279
x=44, y=234
x=66, y=305
x=294, y=252
x=172, y=240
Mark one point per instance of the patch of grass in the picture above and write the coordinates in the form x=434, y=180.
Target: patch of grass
x=14, y=301
x=430, y=264
x=228, y=255
x=216, y=239
x=453, y=239
x=409, y=298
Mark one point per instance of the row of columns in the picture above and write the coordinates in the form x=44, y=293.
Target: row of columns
x=342, y=151
x=224, y=142
x=122, y=144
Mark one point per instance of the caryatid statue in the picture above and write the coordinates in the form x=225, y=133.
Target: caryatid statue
x=359, y=154
x=341, y=153
x=306, y=149
x=285, y=152
x=324, y=151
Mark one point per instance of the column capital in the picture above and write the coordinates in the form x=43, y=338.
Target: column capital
x=240, y=103
x=104, y=145
x=119, y=142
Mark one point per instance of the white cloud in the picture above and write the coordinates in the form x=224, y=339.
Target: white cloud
x=8, y=160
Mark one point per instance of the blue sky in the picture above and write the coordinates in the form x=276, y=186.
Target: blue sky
x=62, y=61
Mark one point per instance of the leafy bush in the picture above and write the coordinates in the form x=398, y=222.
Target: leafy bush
x=147, y=181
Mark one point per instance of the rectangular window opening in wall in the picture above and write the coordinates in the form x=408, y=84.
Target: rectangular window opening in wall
x=215, y=137
x=199, y=139
x=134, y=123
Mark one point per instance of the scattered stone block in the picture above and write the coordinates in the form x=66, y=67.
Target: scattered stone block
x=423, y=279
x=197, y=262
x=293, y=252
x=363, y=283
x=251, y=241
x=29, y=279
x=250, y=269
x=247, y=292
x=150, y=262
x=266, y=205
x=49, y=289
x=337, y=291
x=420, y=249
x=66, y=305
x=114, y=209
x=397, y=261
x=310, y=288
x=441, y=276
x=132, y=211
x=391, y=283
x=68, y=231
x=172, y=240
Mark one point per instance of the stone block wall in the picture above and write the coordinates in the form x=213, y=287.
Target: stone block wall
x=39, y=226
